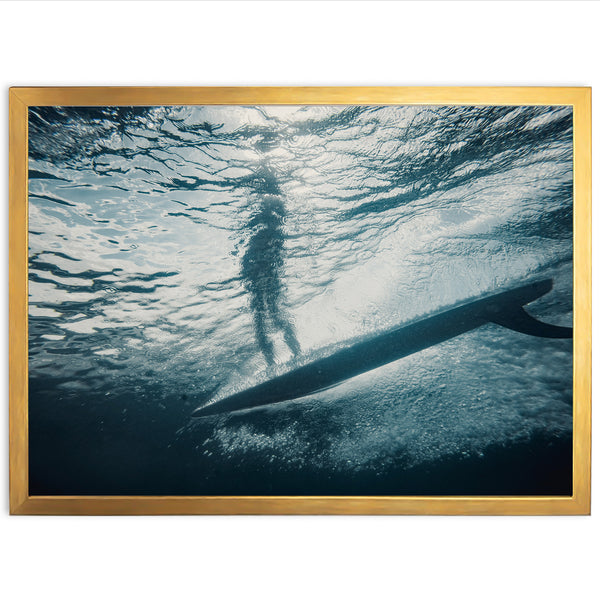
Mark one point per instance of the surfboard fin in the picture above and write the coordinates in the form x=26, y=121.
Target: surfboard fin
x=517, y=319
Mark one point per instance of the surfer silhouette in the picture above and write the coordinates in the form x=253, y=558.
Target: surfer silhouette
x=262, y=267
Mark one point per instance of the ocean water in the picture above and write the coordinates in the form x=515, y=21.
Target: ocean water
x=180, y=254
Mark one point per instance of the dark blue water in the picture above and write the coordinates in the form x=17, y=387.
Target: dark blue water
x=179, y=254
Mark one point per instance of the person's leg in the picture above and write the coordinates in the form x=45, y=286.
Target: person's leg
x=284, y=325
x=289, y=334
x=258, y=308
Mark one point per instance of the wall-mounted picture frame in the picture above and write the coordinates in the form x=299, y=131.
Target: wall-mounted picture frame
x=300, y=300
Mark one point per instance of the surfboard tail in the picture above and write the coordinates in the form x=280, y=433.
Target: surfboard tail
x=517, y=319
x=512, y=314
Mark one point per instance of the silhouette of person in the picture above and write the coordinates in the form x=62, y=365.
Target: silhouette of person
x=262, y=267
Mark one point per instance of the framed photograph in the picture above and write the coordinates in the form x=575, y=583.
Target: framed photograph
x=300, y=300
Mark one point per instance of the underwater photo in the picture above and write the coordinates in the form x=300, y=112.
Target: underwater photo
x=315, y=300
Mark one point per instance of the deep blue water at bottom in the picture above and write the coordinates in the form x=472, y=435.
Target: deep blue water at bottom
x=70, y=456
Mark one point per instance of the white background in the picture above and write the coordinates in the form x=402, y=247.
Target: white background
x=338, y=43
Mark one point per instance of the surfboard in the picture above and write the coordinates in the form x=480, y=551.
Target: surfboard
x=503, y=308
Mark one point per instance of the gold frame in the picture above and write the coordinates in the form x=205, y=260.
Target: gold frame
x=20, y=500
